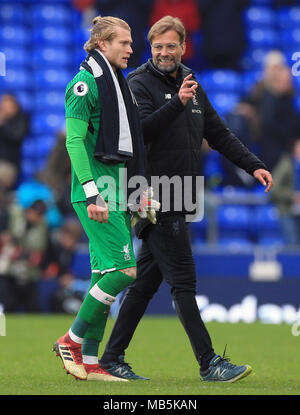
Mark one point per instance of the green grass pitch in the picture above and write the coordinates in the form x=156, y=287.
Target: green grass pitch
x=159, y=350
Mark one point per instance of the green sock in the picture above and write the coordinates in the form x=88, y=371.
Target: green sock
x=90, y=347
x=80, y=326
x=91, y=341
x=94, y=332
x=95, y=307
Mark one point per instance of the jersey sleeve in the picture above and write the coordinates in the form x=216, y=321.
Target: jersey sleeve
x=81, y=96
x=76, y=132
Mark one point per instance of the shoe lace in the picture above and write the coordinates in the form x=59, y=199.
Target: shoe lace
x=225, y=360
x=224, y=357
x=127, y=366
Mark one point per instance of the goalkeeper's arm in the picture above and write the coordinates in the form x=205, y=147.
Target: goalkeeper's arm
x=76, y=133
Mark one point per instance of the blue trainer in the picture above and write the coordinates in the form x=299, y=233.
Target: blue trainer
x=121, y=369
x=220, y=370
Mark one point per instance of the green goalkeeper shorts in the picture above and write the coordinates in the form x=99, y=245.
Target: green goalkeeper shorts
x=110, y=244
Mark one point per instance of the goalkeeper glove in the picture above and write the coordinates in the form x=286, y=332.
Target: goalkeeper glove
x=147, y=209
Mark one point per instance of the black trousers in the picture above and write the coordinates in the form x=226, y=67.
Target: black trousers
x=165, y=254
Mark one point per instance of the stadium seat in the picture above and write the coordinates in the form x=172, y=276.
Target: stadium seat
x=28, y=149
x=79, y=55
x=212, y=165
x=81, y=264
x=221, y=81
x=17, y=79
x=28, y=168
x=49, y=57
x=268, y=241
x=54, y=36
x=290, y=38
x=44, y=144
x=199, y=229
x=14, y=35
x=51, y=14
x=17, y=56
x=50, y=101
x=253, y=58
x=292, y=55
x=262, y=37
x=81, y=35
x=265, y=222
x=47, y=123
x=224, y=102
x=233, y=221
x=54, y=79
x=13, y=13
x=237, y=244
x=288, y=17
x=25, y=100
x=259, y=16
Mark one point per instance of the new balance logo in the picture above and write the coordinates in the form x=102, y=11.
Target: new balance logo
x=168, y=96
x=120, y=371
x=219, y=372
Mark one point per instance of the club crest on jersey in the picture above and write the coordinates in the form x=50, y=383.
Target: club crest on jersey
x=80, y=88
x=126, y=251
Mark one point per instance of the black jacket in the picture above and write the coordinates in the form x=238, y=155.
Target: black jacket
x=173, y=133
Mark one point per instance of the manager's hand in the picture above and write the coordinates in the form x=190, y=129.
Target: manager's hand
x=264, y=177
x=188, y=89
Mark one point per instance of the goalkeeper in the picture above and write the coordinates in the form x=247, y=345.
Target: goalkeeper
x=103, y=138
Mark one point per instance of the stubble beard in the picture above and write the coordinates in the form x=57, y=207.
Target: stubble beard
x=167, y=69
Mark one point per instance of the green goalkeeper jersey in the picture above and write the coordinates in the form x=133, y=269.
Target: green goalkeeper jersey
x=83, y=108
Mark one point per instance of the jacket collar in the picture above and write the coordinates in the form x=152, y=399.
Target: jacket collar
x=183, y=71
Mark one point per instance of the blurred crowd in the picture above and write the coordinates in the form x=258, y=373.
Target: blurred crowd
x=39, y=232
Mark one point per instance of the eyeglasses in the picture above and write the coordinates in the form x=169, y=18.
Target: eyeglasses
x=170, y=47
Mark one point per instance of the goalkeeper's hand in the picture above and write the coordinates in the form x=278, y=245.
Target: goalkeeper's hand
x=96, y=207
x=147, y=209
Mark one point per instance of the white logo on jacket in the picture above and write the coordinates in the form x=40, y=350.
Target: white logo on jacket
x=195, y=102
